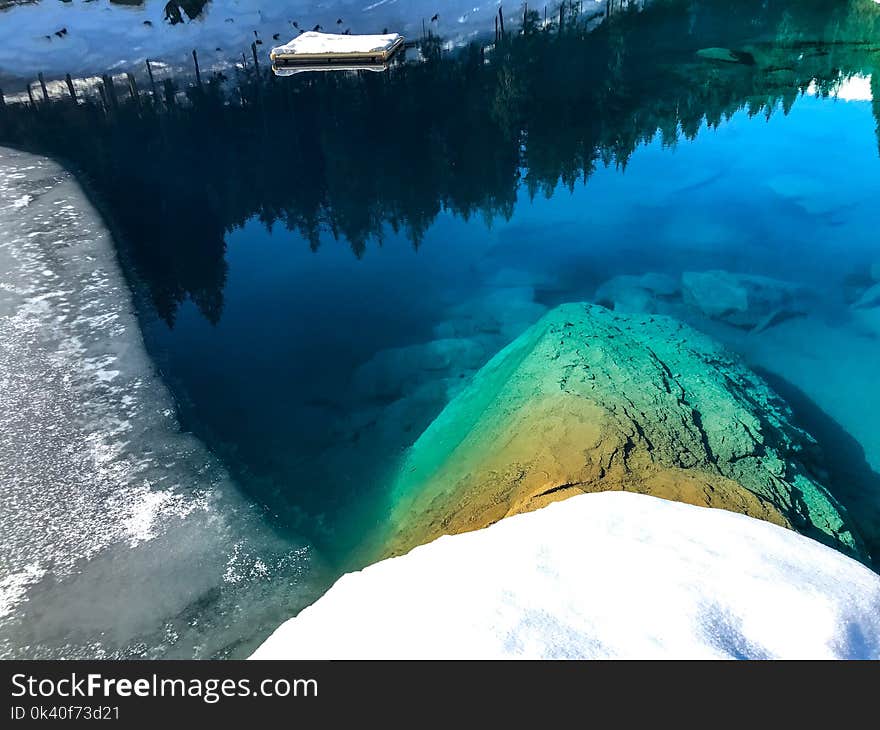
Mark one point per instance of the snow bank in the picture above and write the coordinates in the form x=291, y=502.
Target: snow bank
x=609, y=575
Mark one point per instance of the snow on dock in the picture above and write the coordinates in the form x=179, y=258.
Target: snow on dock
x=312, y=47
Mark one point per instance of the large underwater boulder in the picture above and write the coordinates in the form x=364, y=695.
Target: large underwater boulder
x=591, y=400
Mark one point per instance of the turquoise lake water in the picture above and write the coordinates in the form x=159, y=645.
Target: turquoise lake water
x=274, y=380
x=313, y=289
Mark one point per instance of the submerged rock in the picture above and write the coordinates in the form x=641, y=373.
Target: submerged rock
x=395, y=395
x=867, y=317
x=865, y=311
x=502, y=313
x=869, y=298
x=638, y=293
x=589, y=400
x=394, y=373
x=602, y=576
x=867, y=320
x=855, y=284
x=743, y=300
x=810, y=194
x=726, y=55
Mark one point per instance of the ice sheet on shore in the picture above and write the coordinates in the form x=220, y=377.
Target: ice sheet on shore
x=122, y=536
x=608, y=575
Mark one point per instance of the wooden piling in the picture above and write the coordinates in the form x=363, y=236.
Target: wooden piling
x=152, y=80
x=110, y=89
x=501, y=20
x=169, y=93
x=31, y=94
x=256, y=60
x=70, y=87
x=2, y=100
x=43, y=86
x=198, y=72
x=103, y=92
x=496, y=30
x=133, y=89
x=561, y=16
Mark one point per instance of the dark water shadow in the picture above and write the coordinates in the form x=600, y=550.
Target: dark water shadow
x=851, y=480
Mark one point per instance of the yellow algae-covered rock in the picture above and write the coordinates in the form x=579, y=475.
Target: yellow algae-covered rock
x=589, y=400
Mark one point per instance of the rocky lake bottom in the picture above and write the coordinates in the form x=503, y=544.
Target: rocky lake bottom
x=249, y=348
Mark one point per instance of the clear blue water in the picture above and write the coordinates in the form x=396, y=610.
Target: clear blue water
x=314, y=290
x=270, y=384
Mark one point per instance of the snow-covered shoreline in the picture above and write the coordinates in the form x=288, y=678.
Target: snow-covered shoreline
x=608, y=575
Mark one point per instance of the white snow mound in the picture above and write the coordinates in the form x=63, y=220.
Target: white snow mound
x=608, y=575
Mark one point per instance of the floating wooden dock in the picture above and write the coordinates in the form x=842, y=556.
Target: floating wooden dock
x=321, y=51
